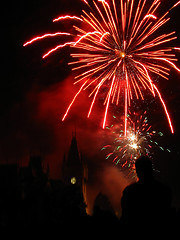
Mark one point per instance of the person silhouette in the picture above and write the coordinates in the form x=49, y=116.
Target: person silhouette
x=147, y=201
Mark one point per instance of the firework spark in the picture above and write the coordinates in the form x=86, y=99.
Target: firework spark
x=138, y=141
x=121, y=53
x=45, y=36
x=66, y=17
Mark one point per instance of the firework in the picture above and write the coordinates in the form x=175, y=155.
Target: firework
x=138, y=141
x=118, y=50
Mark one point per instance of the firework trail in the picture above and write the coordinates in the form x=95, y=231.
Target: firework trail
x=120, y=54
x=138, y=141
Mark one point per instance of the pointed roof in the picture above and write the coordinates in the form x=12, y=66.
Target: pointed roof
x=73, y=154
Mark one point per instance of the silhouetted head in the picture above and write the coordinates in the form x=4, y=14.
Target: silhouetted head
x=144, y=168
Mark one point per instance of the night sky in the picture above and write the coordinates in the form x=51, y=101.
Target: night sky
x=35, y=94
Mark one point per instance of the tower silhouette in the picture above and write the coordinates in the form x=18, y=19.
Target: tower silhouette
x=74, y=168
x=72, y=165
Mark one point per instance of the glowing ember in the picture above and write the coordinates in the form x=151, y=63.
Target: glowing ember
x=134, y=145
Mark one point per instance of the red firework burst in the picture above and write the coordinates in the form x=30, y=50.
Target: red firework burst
x=122, y=51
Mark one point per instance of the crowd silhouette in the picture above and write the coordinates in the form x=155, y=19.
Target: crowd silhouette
x=36, y=201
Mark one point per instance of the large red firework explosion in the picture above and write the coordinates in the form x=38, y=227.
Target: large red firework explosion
x=118, y=49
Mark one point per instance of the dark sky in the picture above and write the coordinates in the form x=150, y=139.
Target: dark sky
x=35, y=94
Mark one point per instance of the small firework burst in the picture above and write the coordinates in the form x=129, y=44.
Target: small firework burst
x=139, y=140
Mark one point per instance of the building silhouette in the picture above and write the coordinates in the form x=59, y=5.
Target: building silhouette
x=74, y=168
